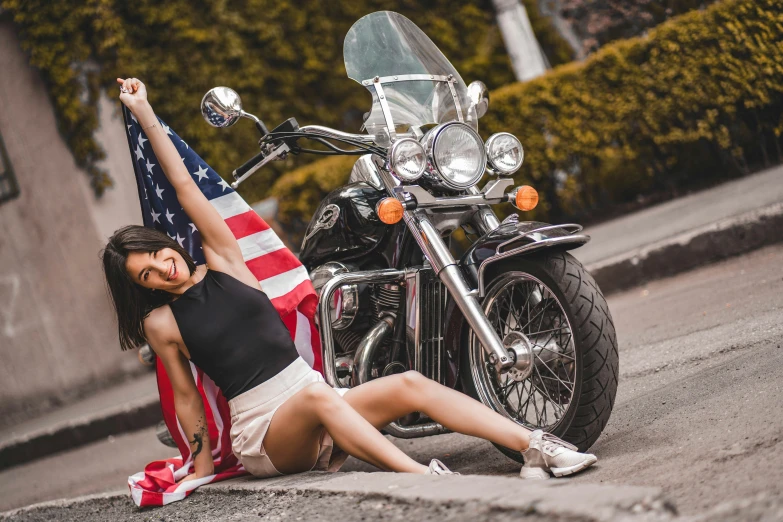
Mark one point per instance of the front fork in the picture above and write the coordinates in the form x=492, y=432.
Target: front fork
x=445, y=267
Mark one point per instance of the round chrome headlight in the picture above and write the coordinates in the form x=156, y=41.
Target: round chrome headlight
x=504, y=153
x=456, y=151
x=407, y=159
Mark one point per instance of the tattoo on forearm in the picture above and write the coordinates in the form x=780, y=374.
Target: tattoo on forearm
x=198, y=437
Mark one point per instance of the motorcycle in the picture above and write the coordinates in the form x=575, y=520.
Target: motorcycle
x=516, y=322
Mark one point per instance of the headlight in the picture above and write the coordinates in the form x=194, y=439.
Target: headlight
x=407, y=159
x=456, y=151
x=504, y=153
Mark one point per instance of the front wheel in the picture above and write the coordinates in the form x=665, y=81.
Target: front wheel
x=571, y=388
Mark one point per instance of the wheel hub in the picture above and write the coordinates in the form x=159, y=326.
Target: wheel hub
x=521, y=352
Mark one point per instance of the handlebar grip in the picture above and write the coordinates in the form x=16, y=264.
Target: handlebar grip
x=249, y=164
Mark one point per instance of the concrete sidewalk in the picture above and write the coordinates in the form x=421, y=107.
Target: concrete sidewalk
x=672, y=237
x=129, y=406
x=727, y=220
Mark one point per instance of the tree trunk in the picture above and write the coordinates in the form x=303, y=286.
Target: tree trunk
x=526, y=56
x=551, y=8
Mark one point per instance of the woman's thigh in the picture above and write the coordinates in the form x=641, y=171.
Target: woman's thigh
x=383, y=400
x=293, y=440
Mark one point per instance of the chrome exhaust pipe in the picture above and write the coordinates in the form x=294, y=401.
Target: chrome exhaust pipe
x=415, y=431
x=365, y=352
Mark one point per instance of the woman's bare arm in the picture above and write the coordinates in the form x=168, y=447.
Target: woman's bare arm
x=220, y=247
x=187, y=400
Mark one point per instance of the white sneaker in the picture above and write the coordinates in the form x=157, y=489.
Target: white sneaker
x=548, y=454
x=439, y=468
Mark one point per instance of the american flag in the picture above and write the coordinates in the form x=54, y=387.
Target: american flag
x=279, y=272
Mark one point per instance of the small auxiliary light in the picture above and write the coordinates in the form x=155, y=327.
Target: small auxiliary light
x=408, y=159
x=504, y=153
x=524, y=198
x=389, y=210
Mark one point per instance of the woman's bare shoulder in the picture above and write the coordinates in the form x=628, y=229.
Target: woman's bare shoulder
x=160, y=325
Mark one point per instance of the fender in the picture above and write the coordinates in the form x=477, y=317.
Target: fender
x=514, y=239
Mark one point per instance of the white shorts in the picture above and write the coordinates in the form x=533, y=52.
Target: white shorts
x=252, y=412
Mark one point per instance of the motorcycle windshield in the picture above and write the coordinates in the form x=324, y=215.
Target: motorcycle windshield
x=388, y=45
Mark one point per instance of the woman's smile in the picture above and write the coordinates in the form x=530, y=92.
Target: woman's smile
x=173, y=272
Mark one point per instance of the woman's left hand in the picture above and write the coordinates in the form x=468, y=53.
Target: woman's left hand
x=132, y=92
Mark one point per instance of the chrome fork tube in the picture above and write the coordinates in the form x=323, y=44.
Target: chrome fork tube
x=448, y=272
x=485, y=219
x=324, y=321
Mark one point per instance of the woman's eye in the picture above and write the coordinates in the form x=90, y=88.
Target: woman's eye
x=146, y=275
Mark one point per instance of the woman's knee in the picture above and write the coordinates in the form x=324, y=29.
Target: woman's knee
x=412, y=380
x=320, y=396
x=318, y=392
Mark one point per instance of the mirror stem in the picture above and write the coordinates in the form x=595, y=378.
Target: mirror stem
x=261, y=128
x=259, y=124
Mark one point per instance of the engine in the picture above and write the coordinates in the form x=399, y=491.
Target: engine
x=385, y=328
x=356, y=312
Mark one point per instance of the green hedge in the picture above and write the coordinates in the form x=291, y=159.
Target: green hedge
x=284, y=57
x=696, y=100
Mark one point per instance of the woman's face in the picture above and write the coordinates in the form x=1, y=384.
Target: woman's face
x=161, y=270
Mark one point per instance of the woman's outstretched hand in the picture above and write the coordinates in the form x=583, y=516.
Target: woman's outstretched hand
x=132, y=92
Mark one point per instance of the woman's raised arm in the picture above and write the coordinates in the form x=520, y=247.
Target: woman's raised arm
x=220, y=246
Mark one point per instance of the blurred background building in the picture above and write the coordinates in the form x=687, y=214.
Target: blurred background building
x=57, y=335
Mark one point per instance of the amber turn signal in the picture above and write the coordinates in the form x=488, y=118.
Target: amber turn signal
x=526, y=198
x=389, y=210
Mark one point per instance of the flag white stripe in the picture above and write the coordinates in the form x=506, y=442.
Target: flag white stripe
x=280, y=284
x=230, y=205
x=260, y=243
x=302, y=339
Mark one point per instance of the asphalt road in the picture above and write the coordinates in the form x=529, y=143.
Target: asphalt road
x=698, y=412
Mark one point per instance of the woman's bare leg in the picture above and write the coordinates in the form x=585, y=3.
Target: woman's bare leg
x=292, y=442
x=383, y=400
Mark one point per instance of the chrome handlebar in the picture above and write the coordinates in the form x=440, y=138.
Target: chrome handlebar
x=334, y=133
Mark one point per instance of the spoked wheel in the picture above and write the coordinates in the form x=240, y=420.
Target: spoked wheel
x=521, y=303
x=569, y=388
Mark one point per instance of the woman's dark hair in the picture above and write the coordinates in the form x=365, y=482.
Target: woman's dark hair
x=133, y=302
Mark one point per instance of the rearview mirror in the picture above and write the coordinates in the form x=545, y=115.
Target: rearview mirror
x=478, y=94
x=221, y=107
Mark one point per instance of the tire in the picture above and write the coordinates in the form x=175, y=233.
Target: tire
x=595, y=361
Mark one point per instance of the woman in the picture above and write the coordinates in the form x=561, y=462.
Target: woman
x=284, y=416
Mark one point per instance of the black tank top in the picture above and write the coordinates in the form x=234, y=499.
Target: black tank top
x=233, y=333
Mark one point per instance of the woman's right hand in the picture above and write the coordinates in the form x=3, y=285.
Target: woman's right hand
x=133, y=93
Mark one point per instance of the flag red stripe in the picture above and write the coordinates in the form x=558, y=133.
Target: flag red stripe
x=245, y=224
x=272, y=264
x=299, y=294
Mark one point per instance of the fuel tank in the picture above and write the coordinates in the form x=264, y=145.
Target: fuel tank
x=344, y=226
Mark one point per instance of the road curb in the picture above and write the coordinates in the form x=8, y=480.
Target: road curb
x=68, y=435
x=714, y=242
x=470, y=495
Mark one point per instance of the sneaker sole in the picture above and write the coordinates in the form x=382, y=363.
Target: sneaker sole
x=533, y=474
x=563, y=472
